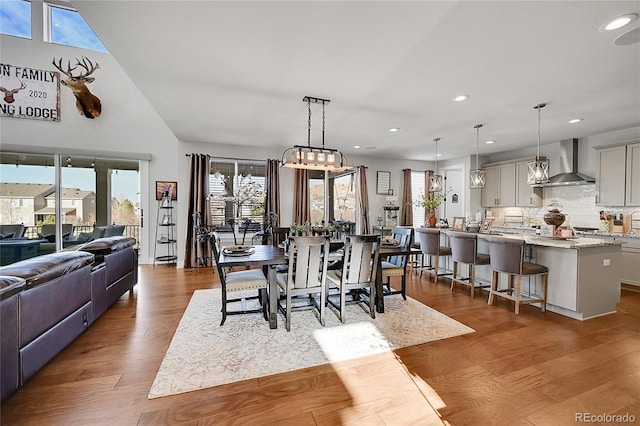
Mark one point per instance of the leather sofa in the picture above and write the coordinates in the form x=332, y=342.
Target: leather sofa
x=48, y=301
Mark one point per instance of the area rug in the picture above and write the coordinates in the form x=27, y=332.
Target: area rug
x=203, y=354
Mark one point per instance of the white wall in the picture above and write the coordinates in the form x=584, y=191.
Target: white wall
x=127, y=127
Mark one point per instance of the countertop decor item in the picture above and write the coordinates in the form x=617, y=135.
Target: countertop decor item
x=554, y=217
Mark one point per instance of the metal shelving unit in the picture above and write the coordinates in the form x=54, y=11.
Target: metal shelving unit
x=165, y=248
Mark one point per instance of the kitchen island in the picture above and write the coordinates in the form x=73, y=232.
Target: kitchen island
x=584, y=273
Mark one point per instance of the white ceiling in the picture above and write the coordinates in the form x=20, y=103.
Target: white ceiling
x=236, y=72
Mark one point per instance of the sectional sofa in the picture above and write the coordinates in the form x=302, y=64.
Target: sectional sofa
x=47, y=301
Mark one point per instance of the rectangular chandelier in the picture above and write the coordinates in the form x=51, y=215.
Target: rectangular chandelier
x=314, y=158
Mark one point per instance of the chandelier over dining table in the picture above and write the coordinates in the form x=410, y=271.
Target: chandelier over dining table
x=314, y=157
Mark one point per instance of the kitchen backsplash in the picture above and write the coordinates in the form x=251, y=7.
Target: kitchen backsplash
x=578, y=202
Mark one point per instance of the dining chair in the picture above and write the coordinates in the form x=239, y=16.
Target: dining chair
x=248, y=279
x=357, y=277
x=429, y=239
x=396, y=266
x=507, y=256
x=464, y=249
x=306, y=278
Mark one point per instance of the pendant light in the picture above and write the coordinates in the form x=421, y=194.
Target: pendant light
x=476, y=177
x=436, y=179
x=313, y=157
x=538, y=169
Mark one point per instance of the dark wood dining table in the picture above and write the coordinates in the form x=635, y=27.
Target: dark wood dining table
x=262, y=255
x=384, y=252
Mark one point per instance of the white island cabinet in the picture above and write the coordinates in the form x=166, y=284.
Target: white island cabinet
x=584, y=274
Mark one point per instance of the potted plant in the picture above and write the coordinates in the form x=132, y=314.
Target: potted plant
x=431, y=203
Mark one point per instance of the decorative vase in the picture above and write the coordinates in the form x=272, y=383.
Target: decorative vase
x=431, y=218
x=554, y=217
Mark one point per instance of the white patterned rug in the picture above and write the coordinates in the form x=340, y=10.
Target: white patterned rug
x=202, y=354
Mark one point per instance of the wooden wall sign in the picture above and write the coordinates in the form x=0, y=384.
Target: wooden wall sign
x=29, y=93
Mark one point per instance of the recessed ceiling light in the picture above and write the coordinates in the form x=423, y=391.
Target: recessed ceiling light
x=438, y=155
x=356, y=146
x=620, y=22
x=575, y=120
x=490, y=142
x=461, y=98
x=394, y=129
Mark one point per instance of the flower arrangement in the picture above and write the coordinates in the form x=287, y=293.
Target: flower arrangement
x=431, y=203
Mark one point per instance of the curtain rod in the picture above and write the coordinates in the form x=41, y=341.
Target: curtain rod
x=229, y=158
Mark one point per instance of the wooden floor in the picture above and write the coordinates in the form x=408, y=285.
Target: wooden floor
x=539, y=369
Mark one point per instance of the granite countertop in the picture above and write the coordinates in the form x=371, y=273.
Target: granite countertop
x=523, y=230
x=573, y=243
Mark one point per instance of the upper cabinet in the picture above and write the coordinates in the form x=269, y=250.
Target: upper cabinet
x=500, y=186
x=618, y=175
x=632, y=195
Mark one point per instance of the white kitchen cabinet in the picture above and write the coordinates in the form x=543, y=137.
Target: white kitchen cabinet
x=630, y=273
x=618, y=175
x=632, y=195
x=526, y=195
x=500, y=186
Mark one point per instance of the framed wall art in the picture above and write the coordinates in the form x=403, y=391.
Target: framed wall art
x=165, y=188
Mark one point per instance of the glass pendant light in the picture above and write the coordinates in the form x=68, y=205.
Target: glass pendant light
x=538, y=169
x=476, y=177
x=436, y=179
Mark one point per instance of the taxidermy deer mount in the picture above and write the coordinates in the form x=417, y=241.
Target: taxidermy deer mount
x=8, y=93
x=87, y=103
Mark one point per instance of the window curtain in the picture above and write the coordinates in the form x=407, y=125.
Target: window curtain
x=301, y=203
x=363, y=197
x=198, y=203
x=407, y=200
x=272, y=189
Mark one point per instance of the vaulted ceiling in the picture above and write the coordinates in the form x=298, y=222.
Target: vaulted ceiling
x=235, y=72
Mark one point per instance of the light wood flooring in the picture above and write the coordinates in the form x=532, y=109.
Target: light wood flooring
x=531, y=369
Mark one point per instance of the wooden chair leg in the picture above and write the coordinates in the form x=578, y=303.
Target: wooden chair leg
x=518, y=296
x=494, y=286
x=543, y=304
x=455, y=274
x=472, y=279
x=435, y=268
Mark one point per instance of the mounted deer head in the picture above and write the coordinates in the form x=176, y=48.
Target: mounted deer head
x=8, y=94
x=87, y=103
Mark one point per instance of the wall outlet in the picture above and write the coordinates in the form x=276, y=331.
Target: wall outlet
x=606, y=262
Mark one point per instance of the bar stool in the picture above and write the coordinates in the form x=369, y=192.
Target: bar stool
x=464, y=249
x=429, y=239
x=507, y=256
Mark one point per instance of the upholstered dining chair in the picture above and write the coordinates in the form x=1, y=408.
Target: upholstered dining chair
x=429, y=239
x=233, y=282
x=306, y=276
x=464, y=249
x=357, y=278
x=507, y=256
x=396, y=266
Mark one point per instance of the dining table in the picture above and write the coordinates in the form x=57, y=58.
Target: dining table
x=384, y=252
x=268, y=256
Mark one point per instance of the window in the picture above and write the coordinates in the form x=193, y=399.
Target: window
x=418, y=187
x=344, y=197
x=237, y=192
x=66, y=26
x=316, y=196
x=15, y=18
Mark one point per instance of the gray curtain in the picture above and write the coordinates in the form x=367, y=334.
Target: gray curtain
x=363, y=196
x=407, y=207
x=272, y=189
x=198, y=203
x=301, y=203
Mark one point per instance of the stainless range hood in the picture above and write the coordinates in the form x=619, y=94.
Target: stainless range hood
x=569, y=166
